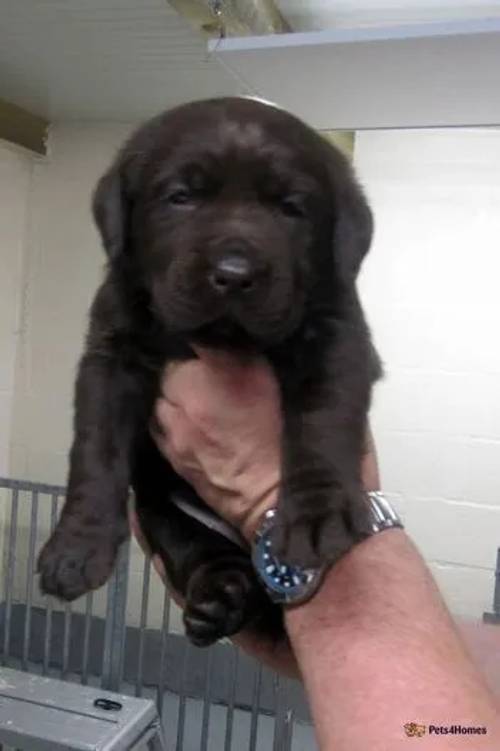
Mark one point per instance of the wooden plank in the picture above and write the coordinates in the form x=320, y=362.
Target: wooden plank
x=343, y=139
x=233, y=18
x=23, y=128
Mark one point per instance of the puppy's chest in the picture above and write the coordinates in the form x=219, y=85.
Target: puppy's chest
x=149, y=349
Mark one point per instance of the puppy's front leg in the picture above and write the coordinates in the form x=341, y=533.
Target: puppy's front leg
x=81, y=553
x=322, y=511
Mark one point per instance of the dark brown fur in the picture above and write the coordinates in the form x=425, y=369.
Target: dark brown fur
x=211, y=180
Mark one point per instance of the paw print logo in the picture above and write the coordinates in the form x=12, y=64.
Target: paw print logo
x=414, y=730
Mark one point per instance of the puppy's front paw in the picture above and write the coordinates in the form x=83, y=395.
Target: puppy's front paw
x=311, y=539
x=71, y=565
x=219, y=602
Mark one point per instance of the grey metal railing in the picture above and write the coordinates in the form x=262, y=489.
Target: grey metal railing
x=208, y=699
x=494, y=615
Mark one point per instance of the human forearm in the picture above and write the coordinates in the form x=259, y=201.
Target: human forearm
x=377, y=653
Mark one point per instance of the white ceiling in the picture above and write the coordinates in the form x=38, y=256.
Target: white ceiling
x=314, y=15
x=103, y=59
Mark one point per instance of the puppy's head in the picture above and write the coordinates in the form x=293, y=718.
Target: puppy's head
x=235, y=218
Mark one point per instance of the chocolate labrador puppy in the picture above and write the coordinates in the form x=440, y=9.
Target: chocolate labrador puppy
x=231, y=224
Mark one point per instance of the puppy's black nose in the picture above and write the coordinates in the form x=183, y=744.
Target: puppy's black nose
x=232, y=274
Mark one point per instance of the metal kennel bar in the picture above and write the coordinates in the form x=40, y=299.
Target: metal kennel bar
x=9, y=576
x=48, y=619
x=494, y=616
x=115, y=631
x=215, y=699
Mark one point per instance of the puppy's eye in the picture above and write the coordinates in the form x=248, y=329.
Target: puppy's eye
x=180, y=197
x=291, y=206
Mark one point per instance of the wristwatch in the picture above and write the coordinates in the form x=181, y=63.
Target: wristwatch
x=293, y=585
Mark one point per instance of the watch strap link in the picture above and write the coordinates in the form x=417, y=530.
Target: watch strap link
x=383, y=516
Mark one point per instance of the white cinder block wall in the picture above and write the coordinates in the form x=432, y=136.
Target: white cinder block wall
x=431, y=288
x=64, y=267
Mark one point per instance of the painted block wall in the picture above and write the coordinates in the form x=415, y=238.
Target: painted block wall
x=431, y=289
x=15, y=184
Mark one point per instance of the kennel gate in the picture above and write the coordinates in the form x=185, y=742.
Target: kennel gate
x=215, y=699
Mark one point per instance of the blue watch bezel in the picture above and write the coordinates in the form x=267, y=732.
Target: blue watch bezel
x=285, y=584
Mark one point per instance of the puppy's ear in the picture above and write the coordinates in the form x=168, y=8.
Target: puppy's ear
x=110, y=210
x=353, y=228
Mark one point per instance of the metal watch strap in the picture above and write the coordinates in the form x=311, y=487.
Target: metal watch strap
x=383, y=516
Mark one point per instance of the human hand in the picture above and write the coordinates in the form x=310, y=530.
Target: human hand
x=218, y=422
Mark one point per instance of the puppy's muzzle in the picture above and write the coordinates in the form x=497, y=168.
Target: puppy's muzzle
x=235, y=275
x=232, y=274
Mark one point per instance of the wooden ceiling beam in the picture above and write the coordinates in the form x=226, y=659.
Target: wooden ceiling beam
x=232, y=17
x=343, y=139
x=23, y=128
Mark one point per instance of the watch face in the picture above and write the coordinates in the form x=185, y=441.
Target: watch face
x=287, y=582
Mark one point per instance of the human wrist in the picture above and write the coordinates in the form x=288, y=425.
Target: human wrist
x=348, y=586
